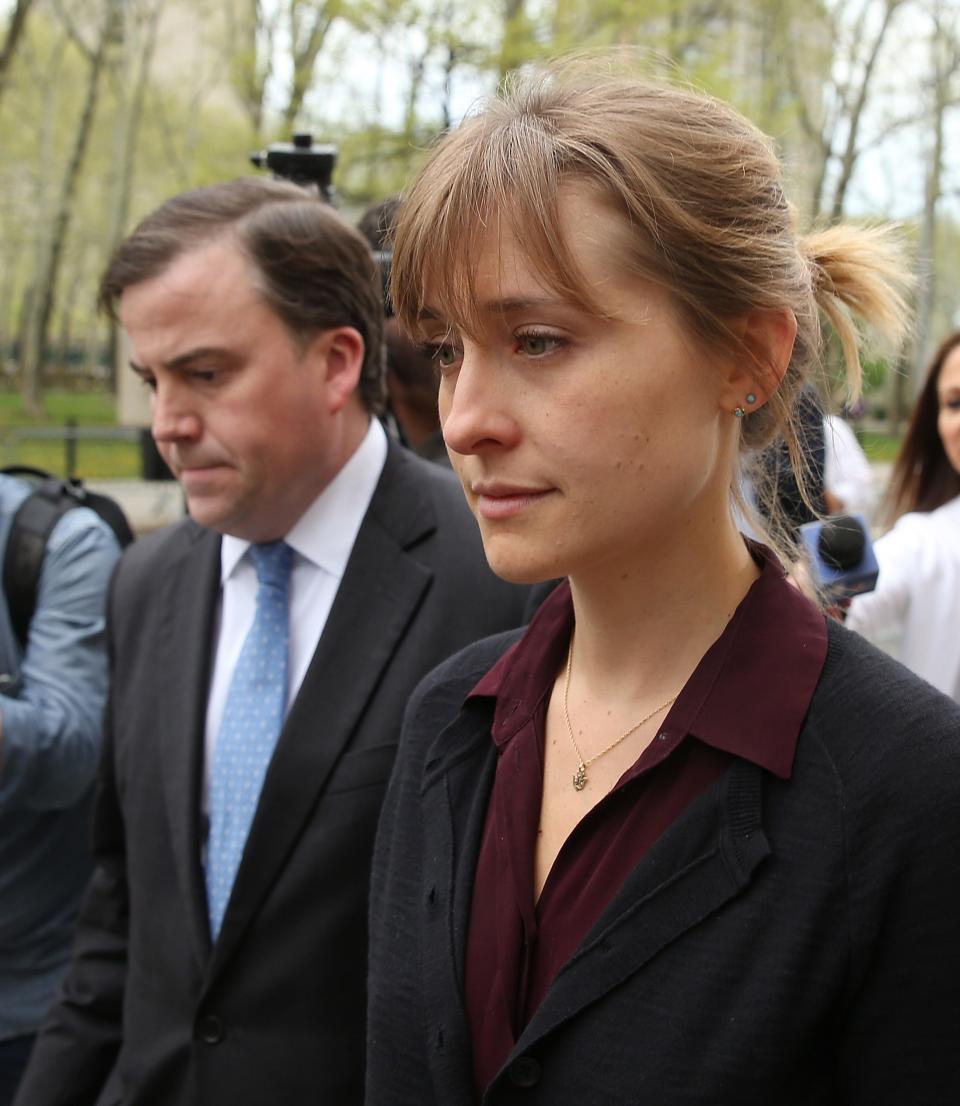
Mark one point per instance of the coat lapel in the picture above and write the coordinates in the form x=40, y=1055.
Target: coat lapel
x=376, y=602
x=190, y=588
x=458, y=777
x=707, y=857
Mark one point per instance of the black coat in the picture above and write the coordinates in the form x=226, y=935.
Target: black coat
x=785, y=942
x=273, y=1013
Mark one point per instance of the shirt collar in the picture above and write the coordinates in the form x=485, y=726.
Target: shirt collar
x=748, y=695
x=324, y=534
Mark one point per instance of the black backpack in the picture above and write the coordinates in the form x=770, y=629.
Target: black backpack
x=49, y=500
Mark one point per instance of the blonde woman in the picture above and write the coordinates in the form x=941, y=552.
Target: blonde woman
x=682, y=840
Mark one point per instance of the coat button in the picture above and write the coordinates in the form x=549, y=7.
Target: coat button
x=524, y=1072
x=210, y=1029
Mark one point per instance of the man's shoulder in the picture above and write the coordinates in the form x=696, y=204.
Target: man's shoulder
x=415, y=480
x=152, y=551
x=423, y=507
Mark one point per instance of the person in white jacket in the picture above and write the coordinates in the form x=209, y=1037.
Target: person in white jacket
x=849, y=486
x=914, y=612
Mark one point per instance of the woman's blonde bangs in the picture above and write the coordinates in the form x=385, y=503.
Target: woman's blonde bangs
x=501, y=173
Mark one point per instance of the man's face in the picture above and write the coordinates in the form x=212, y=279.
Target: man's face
x=248, y=421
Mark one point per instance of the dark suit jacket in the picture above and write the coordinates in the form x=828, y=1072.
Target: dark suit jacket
x=784, y=943
x=273, y=1013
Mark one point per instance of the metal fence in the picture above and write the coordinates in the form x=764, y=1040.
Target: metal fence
x=70, y=434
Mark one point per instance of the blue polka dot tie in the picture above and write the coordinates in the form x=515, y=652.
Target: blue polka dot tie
x=252, y=719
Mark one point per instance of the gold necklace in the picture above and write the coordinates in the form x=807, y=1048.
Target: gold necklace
x=580, y=776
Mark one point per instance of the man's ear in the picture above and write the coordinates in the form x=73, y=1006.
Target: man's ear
x=767, y=336
x=338, y=354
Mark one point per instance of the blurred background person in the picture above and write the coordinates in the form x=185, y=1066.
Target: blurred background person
x=52, y=693
x=411, y=372
x=914, y=612
x=849, y=485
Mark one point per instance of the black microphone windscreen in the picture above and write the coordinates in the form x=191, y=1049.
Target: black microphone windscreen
x=842, y=542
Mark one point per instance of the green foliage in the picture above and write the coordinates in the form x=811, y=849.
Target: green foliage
x=876, y=372
x=86, y=408
x=879, y=445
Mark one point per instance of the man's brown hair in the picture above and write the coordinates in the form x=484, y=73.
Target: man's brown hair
x=312, y=269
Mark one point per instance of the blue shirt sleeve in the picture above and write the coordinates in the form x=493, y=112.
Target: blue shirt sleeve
x=52, y=715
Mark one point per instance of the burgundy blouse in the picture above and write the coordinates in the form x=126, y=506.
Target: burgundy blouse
x=747, y=698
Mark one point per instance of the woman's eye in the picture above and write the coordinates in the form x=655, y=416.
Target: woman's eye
x=446, y=355
x=536, y=345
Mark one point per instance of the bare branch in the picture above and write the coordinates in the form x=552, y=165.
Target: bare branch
x=66, y=20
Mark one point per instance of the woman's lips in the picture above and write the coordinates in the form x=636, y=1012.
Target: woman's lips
x=501, y=501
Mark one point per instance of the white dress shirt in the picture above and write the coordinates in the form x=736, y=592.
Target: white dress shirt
x=322, y=540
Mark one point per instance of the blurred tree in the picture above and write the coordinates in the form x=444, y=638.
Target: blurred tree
x=39, y=306
x=251, y=43
x=940, y=90
x=854, y=33
x=129, y=73
x=18, y=21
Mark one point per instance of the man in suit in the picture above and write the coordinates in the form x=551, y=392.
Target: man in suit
x=222, y=951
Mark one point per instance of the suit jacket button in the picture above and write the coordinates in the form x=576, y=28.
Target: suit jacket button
x=210, y=1029
x=524, y=1072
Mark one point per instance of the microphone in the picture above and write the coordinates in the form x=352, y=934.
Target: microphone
x=841, y=555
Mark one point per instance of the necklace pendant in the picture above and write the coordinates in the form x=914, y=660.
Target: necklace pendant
x=580, y=778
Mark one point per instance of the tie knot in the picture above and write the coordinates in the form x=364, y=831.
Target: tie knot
x=272, y=561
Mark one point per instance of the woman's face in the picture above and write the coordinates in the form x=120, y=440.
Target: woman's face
x=581, y=440
x=948, y=394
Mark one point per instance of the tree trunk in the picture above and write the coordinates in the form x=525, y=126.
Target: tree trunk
x=128, y=132
x=307, y=33
x=943, y=60
x=18, y=22
x=37, y=323
x=850, y=153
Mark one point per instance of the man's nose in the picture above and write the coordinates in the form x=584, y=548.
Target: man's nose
x=174, y=417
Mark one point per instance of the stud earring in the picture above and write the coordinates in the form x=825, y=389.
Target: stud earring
x=738, y=412
x=751, y=398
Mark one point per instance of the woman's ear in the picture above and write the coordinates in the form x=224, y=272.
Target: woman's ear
x=767, y=336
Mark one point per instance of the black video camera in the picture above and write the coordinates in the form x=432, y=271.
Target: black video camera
x=841, y=555
x=302, y=162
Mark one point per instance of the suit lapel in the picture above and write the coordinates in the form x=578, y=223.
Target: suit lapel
x=376, y=601
x=189, y=588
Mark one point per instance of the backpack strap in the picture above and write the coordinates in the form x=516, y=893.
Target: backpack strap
x=30, y=528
